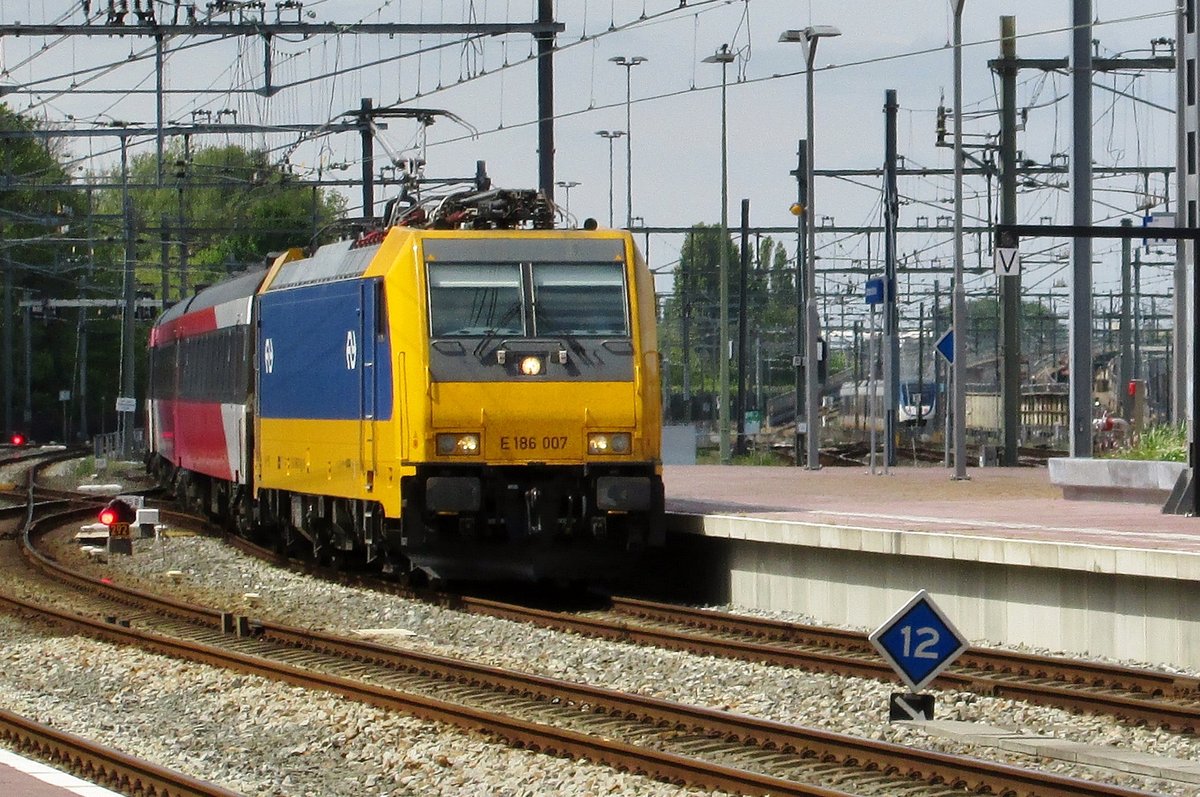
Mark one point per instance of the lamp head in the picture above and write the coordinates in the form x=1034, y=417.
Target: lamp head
x=809, y=33
x=721, y=56
x=821, y=31
x=809, y=37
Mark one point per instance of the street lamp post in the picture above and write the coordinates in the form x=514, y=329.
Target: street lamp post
x=610, y=135
x=809, y=37
x=629, y=63
x=724, y=58
x=566, y=186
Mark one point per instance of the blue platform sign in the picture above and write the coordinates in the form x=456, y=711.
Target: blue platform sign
x=945, y=345
x=918, y=641
x=873, y=291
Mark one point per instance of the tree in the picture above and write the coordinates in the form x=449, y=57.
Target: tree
x=690, y=332
x=228, y=206
x=41, y=257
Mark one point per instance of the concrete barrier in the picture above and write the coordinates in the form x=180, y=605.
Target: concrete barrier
x=1130, y=480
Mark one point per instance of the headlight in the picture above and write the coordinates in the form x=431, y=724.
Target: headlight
x=458, y=444
x=531, y=366
x=609, y=442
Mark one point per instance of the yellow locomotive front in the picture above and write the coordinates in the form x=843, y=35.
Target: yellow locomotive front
x=539, y=403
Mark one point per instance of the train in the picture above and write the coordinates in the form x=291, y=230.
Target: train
x=467, y=392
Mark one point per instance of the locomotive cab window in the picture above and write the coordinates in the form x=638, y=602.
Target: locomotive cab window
x=577, y=299
x=580, y=299
x=475, y=299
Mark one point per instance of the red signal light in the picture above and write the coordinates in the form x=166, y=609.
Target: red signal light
x=17, y=439
x=117, y=511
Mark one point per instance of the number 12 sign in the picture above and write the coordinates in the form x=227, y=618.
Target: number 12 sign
x=918, y=641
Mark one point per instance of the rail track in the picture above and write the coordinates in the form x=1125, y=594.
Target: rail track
x=99, y=764
x=669, y=741
x=95, y=762
x=1146, y=697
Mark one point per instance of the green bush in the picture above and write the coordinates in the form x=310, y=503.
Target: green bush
x=1168, y=442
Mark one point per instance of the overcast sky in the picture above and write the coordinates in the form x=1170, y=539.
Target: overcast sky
x=885, y=44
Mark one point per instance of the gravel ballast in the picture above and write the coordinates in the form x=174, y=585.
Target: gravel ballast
x=217, y=575
x=260, y=737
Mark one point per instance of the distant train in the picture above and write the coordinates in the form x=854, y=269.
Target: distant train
x=468, y=393
x=916, y=404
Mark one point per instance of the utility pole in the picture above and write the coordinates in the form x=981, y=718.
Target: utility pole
x=1125, y=337
x=181, y=175
x=740, y=447
x=891, y=316
x=920, y=424
x=126, y=415
x=27, y=415
x=1010, y=285
x=545, y=94
x=1008, y=67
x=160, y=138
x=83, y=333
x=801, y=211
x=686, y=333
x=941, y=395
x=1137, y=313
x=958, y=291
x=1081, y=252
x=164, y=242
x=857, y=370
x=367, y=135
x=8, y=341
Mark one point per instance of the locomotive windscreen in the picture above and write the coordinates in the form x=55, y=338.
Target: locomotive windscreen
x=580, y=299
x=495, y=299
x=475, y=299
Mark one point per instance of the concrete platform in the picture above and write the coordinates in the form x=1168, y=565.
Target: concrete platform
x=1103, y=756
x=23, y=777
x=1006, y=556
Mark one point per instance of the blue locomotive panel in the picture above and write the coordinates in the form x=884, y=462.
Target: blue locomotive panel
x=323, y=353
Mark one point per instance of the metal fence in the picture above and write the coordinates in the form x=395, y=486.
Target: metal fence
x=112, y=446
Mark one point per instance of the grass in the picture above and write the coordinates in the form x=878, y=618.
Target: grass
x=713, y=457
x=1167, y=443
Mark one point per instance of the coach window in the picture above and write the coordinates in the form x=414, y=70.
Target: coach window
x=380, y=311
x=580, y=299
x=475, y=299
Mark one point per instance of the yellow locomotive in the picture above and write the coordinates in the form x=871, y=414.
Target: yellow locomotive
x=468, y=393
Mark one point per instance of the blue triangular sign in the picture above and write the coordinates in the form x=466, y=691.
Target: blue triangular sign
x=945, y=345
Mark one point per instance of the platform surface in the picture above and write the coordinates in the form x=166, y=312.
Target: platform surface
x=1005, y=503
x=23, y=777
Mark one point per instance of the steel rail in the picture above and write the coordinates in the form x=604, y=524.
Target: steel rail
x=1150, y=682
x=903, y=762
x=127, y=595
x=534, y=736
x=101, y=764
x=1076, y=685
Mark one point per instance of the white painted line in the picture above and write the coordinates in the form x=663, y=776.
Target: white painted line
x=995, y=524
x=48, y=774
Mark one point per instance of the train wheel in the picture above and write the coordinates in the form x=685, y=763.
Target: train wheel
x=335, y=559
